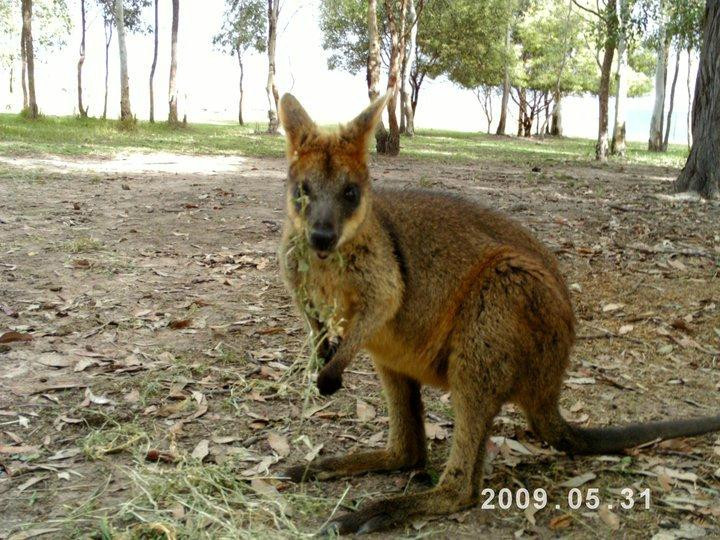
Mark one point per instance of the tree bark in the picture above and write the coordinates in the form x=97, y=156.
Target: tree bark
x=619, y=146
x=373, y=72
x=125, y=111
x=689, y=108
x=397, y=45
x=408, y=113
x=108, y=38
x=82, y=110
x=602, y=147
x=240, y=99
x=23, y=75
x=671, y=105
x=154, y=65
x=506, y=90
x=172, y=86
x=556, y=128
x=32, y=107
x=272, y=92
x=656, y=122
x=701, y=173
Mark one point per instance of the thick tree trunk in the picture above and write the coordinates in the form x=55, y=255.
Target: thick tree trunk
x=656, y=122
x=408, y=113
x=556, y=129
x=688, y=82
x=82, y=110
x=602, y=148
x=271, y=90
x=125, y=111
x=172, y=86
x=23, y=76
x=619, y=145
x=108, y=39
x=397, y=45
x=32, y=108
x=701, y=173
x=671, y=105
x=506, y=90
x=154, y=65
x=373, y=72
x=240, y=98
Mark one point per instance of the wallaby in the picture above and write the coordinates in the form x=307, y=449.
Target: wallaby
x=439, y=291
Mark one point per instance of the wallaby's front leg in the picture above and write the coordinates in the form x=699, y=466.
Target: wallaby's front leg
x=406, y=441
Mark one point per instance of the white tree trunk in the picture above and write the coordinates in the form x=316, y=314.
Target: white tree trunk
x=407, y=113
x=656, y=122
x=172, y=85
x=618, y=145
x=125, y=111
x=272, y=92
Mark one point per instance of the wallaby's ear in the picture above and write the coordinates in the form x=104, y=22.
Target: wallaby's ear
x=359, y=131
x=297, y=123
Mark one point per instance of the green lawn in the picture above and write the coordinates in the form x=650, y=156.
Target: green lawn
x=72, y=136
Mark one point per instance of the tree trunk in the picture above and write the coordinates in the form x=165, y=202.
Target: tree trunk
x=701, y=173
x=689, y=108
x=82, y=110
x=12, y=73
x=154, y=65
x=125, y=111
x=406, y=102
x=521, y=110
x=602, y=147
x=240, y=99
x=108, y=39
x=373, y=72
x=397, y=46
x=172, y=86
x=556, y=129
x=32, y=108
x=619, y=145
x=656, y=122
x=671, y=105
x=271, y=90
x=23, y=76
x=506, y=90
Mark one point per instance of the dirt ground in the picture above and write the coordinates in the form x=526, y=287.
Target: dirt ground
x=149, y=342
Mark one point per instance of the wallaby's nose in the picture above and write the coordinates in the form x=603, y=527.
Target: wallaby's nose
x=323, y=238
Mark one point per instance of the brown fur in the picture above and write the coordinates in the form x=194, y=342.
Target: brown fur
x=439, y=291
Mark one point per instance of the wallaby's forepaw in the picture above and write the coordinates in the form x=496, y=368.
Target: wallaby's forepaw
x=328, y=349
x=300, y=473
x=328, y=382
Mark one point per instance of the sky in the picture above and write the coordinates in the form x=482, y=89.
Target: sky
x=208, y=79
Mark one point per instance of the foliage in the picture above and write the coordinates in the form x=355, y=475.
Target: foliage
x=244, y=26
x=51, y=27
x=685, y=23
x=132, y=14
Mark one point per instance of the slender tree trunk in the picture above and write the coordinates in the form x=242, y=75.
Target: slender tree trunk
x=602, y=148
x=671, y=105
x=23, y=76
x=701, y=173
x=240, y=99
x=506, y=90
x=397, y=45
x=619, y=145
x=12, y=73
x=82, y=110
x=172, y=86
x=556, y=129
x=154, y=65
x=125, y=111
x=32, y=108
x=270, y=89
x=521, y=110
x=689, y=108
x=656, y=122
x=408, y=111
x=108, y=38
x=373, y=72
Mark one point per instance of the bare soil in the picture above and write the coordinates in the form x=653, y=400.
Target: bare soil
x=148, y=289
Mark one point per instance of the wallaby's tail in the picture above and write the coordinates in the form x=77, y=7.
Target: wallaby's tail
x=555, y=430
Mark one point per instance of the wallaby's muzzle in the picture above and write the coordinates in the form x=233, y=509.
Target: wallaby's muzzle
x=323, y=238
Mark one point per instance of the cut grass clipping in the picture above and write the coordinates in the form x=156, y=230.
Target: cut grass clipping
x=313, y=307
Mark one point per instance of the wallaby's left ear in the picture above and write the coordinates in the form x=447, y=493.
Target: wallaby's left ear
x=297, y=123
x=359, y=131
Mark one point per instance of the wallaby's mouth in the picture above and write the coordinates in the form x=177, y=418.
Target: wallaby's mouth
x=322, y=254
x=323, y=241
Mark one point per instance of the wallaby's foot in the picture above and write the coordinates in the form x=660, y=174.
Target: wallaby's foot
x=391, y=512
x=353, y=464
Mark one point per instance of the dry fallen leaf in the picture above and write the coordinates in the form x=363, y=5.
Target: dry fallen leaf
x=578, y=481
x=609, y=518
x=179, y=324
x=609, y=308
x=278, y=443
x=365, y=412
x=12, y=336
x=560, y=522
x=202, y=449
x=435, y=431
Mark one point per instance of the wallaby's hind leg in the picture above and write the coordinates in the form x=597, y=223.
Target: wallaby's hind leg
x=406, y=441
x=475, y=404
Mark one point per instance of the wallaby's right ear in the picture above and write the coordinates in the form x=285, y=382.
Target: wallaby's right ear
x=297, y=123
x=359, y=131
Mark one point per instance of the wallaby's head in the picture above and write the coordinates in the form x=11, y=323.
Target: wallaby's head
x=328, y=186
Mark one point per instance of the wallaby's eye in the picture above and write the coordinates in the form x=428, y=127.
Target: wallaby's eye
x=352, y=194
